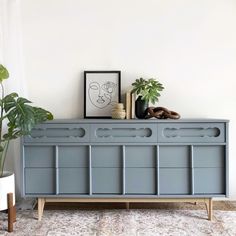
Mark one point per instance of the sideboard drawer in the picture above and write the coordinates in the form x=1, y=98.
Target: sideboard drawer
x=209, y=156
x=174, y=156
x=73, y=156
x=46, y=133
x=209, y=181
x=106, y=156
x=39, y=156
x=140, y=181
x=174, y=180
x=124, y=133
x=73, y=181
x=191, y=132
x=106, y=180
x=140, y=156
x=40, y=181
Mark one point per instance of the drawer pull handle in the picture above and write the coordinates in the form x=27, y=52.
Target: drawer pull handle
x=123, y=133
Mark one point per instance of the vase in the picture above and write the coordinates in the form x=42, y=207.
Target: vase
x=118, y=112
x=7, y=185
x=140, y=107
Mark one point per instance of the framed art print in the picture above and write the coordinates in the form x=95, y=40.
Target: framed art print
x=101, y=93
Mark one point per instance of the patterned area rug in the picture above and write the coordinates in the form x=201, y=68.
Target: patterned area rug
x=120, y=222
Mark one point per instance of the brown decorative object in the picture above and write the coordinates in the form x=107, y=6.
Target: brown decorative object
x=161, y=113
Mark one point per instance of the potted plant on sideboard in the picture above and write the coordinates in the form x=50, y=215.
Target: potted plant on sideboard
x=20, y=117
x=147, y=90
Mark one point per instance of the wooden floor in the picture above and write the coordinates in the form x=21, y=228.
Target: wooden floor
x=218, y=205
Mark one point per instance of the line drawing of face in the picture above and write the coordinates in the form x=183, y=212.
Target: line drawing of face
x=101, y=95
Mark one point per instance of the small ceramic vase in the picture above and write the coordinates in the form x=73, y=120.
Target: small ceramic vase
x=118, y=111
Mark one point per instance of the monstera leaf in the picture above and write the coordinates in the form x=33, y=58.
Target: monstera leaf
x=22, y=116
x=3, y=73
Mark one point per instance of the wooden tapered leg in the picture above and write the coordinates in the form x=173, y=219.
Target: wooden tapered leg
x=11, y=212
x=14, y=213
x=209, y=207
x=127, y=205
x=41, y=202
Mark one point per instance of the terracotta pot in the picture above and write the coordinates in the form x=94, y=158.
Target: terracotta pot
x=7, y=185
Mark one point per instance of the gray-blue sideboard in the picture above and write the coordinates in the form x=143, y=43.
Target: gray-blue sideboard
x=104, y=160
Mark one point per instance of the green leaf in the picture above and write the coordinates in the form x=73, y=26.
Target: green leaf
x=3, y=73
x=23, y=100
x=149, y=89
x=42, y=115
x=9, y=101
x=22, y=117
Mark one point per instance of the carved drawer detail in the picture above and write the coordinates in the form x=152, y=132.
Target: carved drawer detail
x=124, y=133
x=59, y=133
x=195, y=132
x=191, y=132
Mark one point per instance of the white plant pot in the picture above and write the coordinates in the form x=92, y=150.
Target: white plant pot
x=7, y=185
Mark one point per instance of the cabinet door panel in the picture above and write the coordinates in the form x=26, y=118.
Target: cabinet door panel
x=40, y=181
x=106, y=180
x=73, y=156
x=39, y=156
x=174, y=180
x=209, y=181
x=140, y=180
x=73, y=180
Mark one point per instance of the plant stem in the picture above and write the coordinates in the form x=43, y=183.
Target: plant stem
x=1, y=113
x=3, y=157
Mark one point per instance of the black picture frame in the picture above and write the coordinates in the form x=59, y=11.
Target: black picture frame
x=102, y=90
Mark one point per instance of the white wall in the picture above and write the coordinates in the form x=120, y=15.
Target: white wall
x=189, y=45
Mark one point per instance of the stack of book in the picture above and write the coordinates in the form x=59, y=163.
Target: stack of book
x=130, y=105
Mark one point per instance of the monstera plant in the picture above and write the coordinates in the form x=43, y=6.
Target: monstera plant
x=17, y=116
